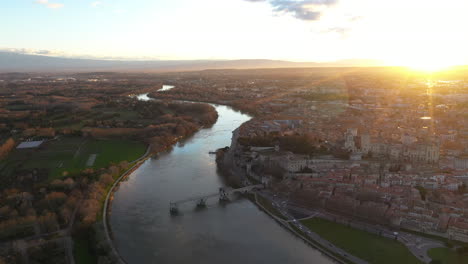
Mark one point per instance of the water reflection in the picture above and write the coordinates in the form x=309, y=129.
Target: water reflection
x=145, y=97
x=166, y=88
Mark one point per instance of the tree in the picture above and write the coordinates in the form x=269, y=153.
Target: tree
x=106, y=179
x=57, y=184
x=114, y=170
x=123, y=165
x=56, y=199
x=6, y=147
x=69, y=183
x=276, y=171
x=89, y=211
x=71, y=202
x=65, y=214
x=48, y=222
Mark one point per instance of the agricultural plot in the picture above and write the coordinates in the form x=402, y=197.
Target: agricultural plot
x=68, y=155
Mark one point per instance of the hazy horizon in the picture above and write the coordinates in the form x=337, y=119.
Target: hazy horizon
x=23, y=62
x=119, y=58
x=397, y=32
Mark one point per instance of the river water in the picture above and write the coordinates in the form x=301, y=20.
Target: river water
x=237, y=232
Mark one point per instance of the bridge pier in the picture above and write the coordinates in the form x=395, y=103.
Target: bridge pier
x=201, y=203
x=173, y=208
x=223, y=195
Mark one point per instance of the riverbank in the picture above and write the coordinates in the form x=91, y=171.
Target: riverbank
x=107, y=203
x=265, y=205
x=237, y=107
x=105, y=210
x=156, y=147
x=281, y=220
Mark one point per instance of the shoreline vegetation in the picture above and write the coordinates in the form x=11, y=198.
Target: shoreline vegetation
x=106, y=209
x=113, y=254
x=103, y=229
x=178, y=94
x=58, y=190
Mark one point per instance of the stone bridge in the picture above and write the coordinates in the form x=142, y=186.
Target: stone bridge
x=223, y=194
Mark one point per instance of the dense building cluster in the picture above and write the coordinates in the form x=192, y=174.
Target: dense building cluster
x=401, y=144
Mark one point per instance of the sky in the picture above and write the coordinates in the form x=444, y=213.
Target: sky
x=399, y=32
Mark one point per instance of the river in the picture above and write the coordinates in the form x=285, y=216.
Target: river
x=237, y=232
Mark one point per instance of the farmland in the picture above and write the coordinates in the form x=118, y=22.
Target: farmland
x=69, y=155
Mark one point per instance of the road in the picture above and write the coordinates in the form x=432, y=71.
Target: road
x=417, y=245
x=281, y=205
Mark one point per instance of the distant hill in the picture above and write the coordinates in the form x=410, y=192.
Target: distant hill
x=16, y=62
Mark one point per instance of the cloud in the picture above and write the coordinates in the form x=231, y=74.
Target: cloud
x=341, y=31
x=63, y=54
x=33, y=51
x=119, y=11
x=44, y=52
x=356, y=18
x=96, y=3
x=309, y=10
x=48, y=4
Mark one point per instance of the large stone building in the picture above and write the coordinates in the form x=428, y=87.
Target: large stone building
x=408, y=150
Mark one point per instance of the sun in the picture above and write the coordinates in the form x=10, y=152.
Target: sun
x=424, y=55
x=429, y=66
x=425, y=64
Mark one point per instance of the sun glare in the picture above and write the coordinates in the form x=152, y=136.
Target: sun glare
x=427, y=65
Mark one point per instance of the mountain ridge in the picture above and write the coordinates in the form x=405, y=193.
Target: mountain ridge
x=18, y=62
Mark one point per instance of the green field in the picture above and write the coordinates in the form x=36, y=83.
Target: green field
x=70, y=154
x=447, y=256
x=82, y=252
x=319, y=246
x=370, y=247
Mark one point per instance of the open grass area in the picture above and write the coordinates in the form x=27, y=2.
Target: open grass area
x=114, y=150
x=370, y=247
x=447, y=256
x=82, y=252
x=107, y=151
x=72, y=154
x=318, y=246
